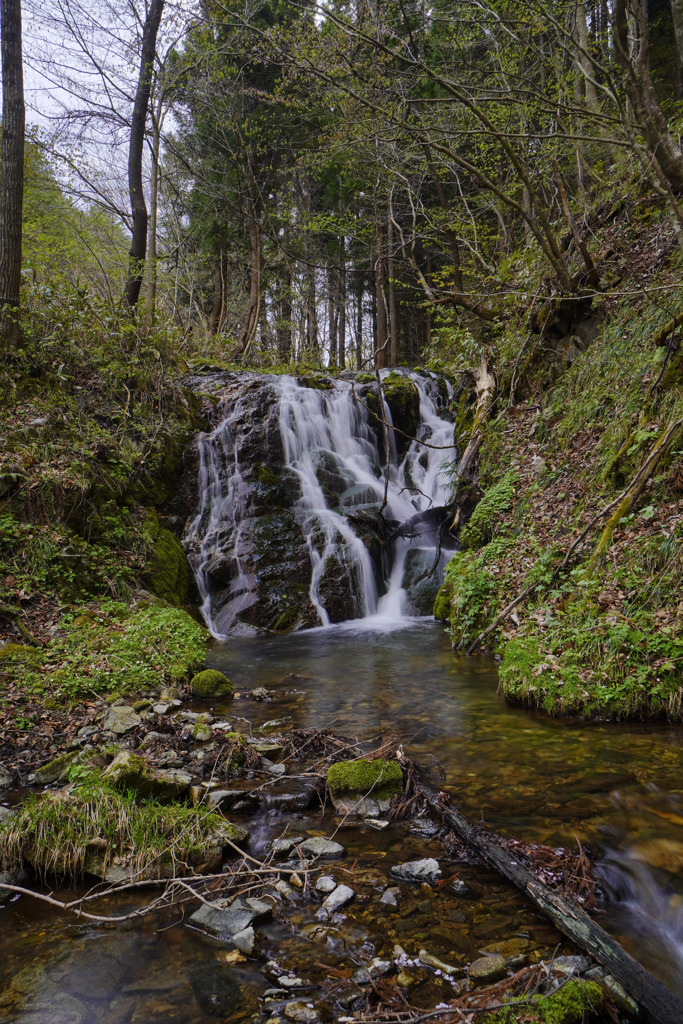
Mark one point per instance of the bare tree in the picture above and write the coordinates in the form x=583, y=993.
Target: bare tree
x=12, y=168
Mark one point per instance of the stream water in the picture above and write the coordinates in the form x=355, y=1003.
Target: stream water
x=614, y=786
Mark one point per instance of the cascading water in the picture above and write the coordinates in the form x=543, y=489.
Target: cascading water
x=291, y=483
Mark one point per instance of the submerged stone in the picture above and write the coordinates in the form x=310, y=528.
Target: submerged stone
x=425, y=870
x=488, y=968
x=337, y=899
x=225, y=919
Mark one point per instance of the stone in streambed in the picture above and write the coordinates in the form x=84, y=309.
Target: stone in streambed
x=488, y=968
x=225, y=919
x=301, y=1013
x=54, y=770
x=284, y=846
x=438, y=965
x=217, y=992
x=425, y=870
x=326, y=884
x=131, y=772
x=390, y=896
x=337, y=899
x=211, y=683
x=246, y=941
x=319, y=846
x=6, y=777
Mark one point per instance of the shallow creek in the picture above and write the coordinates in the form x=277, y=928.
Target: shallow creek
x=617, y=787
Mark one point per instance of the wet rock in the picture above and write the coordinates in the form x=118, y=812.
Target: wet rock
x=231, y=799
x=222, y=726
x=290, y=981
x=121, y=718
x=17, y=877
x=488, y=968
x=246, y=941
x=216, y=991
x=390, y=896
x=337, y=899
x=284, y=846
x=6, y=813
x=425, y=870
x=377, y=823
x=284, y=890
x=319, y=846
x=566, y=964
x=383, y=967
x=301, y=1013
x=260, y=693
x=158, y=709
x=515, y=946
x=281, y=797
x=460, y=888
x=276, y=725
x=615, y=991
x=438, y=965
x=211, y=683
x=224, y=919
x=326, y=884
x=267, y=747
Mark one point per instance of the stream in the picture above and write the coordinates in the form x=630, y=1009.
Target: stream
x=615, y=787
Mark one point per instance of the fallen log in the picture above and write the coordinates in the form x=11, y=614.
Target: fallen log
x=661, y=1006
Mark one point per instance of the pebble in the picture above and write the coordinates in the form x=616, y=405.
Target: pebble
x=283, y=889
x=273, y=769
x=302, y=1013
x=291, y=982
x=570, y=964
x=223, y=726
x=319, y=846
x=426, y=870
x=377, y=823
x=390, y=896
x=326, y=884
x=283, y=847
x=245, y=941
x=488, y=968
x=338, y=898
x=161, y=709
x=438, y=965
x=260, y=693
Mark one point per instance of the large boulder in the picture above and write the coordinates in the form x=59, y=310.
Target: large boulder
x=364, y=787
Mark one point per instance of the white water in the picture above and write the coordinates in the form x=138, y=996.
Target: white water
x=324, y=435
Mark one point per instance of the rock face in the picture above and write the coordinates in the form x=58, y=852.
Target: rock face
x=288, y=532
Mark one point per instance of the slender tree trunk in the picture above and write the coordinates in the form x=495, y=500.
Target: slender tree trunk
x=138, y=245
x=252, y=318
x=381, y=338
x=332, y=313
x=393, y=317
x=12, y=169
x=359, y=323
x=311, y=313
x=284, y=324
x=154, y=205
x=216, y=318
x=677, y=17
x=341, y=307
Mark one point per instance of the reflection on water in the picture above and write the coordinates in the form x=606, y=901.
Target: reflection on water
x=615, y=786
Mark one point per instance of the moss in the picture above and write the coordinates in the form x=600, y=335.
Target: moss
x=311, y=379
x=56, y=769
x=442, y=604
x=472, y=590
x=211, y=683
x=575, y=1002
x=20, y=655
x=105, y=652
x=84, y=830
x=403, y=398
x=481, y=527
x=167, y=571
x=383, y=778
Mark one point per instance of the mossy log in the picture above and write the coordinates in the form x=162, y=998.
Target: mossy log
x=660, y=1005
x=633, y=492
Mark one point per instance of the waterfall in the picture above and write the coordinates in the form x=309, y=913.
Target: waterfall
x=291, y=481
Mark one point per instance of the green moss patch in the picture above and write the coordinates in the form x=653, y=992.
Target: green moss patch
x=574, y=1003
x=211, y=683
x=167, y=571
x=110, y=649
x=383, y=778
x=484, y=521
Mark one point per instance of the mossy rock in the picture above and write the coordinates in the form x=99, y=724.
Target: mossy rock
x=167, y=571
x=403, y=398
x=484, y=521
x=20, y=655
x=575, y=1002
x=211, y=683
x=383, y=778
x=442, y=604
x=317, y=381
x=55, y=770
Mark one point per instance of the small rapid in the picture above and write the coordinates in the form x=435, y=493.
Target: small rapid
x=362, y=521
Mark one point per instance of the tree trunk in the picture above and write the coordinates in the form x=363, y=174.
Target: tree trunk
x=651, y=120
x=677, y=17
x=12, y=169
x=252, y=318
x=393, y=317
x=311, y=313
x=359, y=323
x=341, y=307
x=216, y=319
x=332, y=313
x=284, y=322
x=661, y=1006
x=154, y=205
x=381, y=338
x=138, y=245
